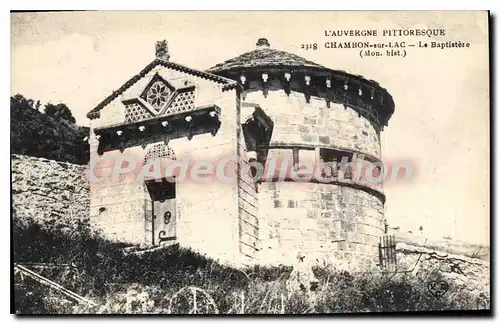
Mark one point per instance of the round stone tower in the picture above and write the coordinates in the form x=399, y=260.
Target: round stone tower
x=333, y=120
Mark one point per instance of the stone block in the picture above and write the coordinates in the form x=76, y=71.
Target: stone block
x=324, y=140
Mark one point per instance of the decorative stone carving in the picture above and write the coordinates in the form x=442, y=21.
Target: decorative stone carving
x=159, y=151
x=135, y=112
x=162, y=50
x=157, y=95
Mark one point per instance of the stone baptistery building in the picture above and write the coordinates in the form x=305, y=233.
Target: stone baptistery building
x=270, y=112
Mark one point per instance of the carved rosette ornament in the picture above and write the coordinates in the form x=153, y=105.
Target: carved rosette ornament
x=158, y=95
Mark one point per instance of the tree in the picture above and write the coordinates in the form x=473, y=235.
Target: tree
x=34, y=133
x=20, y=102
x=59, y=111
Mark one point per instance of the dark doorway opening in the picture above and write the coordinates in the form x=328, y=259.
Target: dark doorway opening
x=164, y=216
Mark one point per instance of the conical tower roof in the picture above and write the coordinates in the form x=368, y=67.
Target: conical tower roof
x=264, y=59
x=265, y=56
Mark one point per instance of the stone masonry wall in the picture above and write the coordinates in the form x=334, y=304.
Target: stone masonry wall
x=42, y=189
x=249, y=224
x=459, y=271
x=297, y=122
x=330, y=223
x=206, y=213
x=117, y=206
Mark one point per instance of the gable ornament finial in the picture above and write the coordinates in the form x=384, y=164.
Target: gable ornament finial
x=162, y=50
x=262, y=43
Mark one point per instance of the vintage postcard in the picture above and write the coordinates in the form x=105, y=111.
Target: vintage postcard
x=250, y=162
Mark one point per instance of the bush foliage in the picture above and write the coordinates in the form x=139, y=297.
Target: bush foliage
x=52, y=135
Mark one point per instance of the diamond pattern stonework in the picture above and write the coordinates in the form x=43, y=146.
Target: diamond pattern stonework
x=135, y=112
x=182, y=102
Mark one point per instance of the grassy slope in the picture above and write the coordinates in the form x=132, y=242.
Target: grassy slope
x=130, y=283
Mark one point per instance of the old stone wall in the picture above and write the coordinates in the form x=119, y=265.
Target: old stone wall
x=297, y=122
x=44, y=189
x=331, y=224
x=118, y=206
x=248, y=213
x=208, y=220
x=207, y=212
x=460, y=272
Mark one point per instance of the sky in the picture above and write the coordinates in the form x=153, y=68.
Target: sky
x=441, y=119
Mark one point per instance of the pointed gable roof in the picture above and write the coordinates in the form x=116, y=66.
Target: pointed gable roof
x=227, y=84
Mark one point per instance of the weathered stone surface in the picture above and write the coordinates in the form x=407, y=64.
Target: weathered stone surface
x=42, y=188
x=460, y=272
x=319, y=220
x=215, y=218
x=315, y=124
